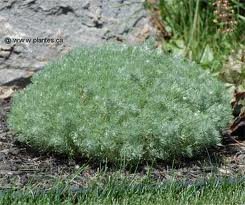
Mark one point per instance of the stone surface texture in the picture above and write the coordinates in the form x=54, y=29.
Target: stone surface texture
x=75, y=22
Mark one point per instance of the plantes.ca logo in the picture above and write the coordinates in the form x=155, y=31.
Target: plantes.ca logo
x=36, y=40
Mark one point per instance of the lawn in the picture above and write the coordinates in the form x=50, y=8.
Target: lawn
x=120, y=191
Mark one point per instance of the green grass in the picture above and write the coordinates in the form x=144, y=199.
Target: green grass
x=115, y=190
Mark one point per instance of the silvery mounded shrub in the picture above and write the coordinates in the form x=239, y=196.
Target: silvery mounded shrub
x=120, y=102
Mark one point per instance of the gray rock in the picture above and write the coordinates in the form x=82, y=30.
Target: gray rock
x=69, y=23
x=7, y=76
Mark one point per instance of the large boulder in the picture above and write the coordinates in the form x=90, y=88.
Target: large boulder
x=71, y=23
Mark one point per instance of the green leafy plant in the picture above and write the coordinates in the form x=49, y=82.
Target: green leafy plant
x=121, y=103
x=204, y=31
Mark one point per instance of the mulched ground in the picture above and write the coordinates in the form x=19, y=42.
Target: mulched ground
x=19, y=165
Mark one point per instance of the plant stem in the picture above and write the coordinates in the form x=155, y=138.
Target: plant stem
x=193, y=27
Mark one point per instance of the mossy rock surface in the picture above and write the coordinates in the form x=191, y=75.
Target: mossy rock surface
x=119, y=102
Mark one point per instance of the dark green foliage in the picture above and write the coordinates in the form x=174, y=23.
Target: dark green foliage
x=120, y=102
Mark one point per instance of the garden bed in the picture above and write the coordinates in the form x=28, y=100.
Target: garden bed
x=20, y=165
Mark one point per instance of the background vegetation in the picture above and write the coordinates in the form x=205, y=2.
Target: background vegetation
x=208, y=32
